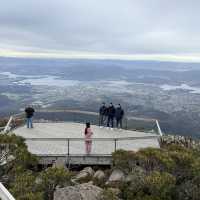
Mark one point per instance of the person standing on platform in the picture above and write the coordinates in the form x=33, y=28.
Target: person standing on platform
x=102, y=115
x=111, y=115
x=119, y=114
x=88, y=140
x=29, y=116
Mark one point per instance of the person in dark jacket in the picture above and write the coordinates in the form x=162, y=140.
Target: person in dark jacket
x=29, y=115
x=119, y=113
x=111, y=115
x=102, y=115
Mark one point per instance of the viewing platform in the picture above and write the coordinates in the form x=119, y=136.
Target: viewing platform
x=63, y=143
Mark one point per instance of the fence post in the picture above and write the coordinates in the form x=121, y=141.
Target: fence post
x=115, y=144
x=126, y=123
x=68, y=147
x=67, y=156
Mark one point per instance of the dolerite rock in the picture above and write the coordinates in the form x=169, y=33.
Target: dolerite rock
x=84, y=174
x=99, y=174
x=116, y=176
x=85, y=191
x=89, y=170
x=137, y=172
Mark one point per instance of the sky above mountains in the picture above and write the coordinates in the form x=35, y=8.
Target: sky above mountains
x=123, y=29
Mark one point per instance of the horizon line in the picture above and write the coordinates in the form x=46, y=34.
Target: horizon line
x=183, y=58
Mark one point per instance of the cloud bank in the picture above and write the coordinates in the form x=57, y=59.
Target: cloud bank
x=124, y=29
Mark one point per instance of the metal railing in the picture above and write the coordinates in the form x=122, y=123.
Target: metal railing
x=14, y=121
x=76, y=116
x=71, y=144
x=159, y=129
x=129, y=123
x=5, y=194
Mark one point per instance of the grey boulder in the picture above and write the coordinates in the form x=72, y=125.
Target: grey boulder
x=85, y=191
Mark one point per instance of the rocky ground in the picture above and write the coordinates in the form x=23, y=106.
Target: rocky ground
x=87, y=185
x=148, y=174
x=171, y=172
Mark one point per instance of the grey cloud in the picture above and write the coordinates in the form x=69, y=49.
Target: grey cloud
x=105, y=26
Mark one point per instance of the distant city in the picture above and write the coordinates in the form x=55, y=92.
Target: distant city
x=168, y=91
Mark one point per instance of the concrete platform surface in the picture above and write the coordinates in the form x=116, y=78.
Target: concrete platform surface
x=105, y=145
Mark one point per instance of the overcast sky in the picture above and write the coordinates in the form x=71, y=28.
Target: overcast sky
x=129, y=29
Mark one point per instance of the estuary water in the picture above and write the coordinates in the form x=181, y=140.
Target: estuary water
x=194, y=90
x=45, y=80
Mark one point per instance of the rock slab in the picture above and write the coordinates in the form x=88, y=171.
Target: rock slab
x=99, y=174
x=116, y=176
x=85, y=191
x=86, y=172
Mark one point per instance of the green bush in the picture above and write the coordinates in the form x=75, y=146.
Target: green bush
x=188, y=190
x=160, y=185
x=24, y=187
x=108, y=194
x=53, y=177
x=154, y=186
x=169, y=173
x=156, y=159
x=26, y=184
x=125, y=160
x=16, y=149
x=150, y=159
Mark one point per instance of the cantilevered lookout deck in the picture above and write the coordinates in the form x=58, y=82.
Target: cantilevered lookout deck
x=64, y=142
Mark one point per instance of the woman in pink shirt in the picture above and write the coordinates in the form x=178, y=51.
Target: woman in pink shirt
x=88, y=140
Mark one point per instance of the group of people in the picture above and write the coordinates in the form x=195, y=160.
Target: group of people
x=107, y=115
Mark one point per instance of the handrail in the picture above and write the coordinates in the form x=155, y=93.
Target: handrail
x=5, y=194
x=92, y=113
x=70, y=111
x=93, y=139
x=7, y=127
x=74, y=155
x=8, y=124
x=69, y=140
x=159, y=129
x=12, y=117
x=96, y=114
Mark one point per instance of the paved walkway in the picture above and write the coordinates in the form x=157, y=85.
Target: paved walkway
x=59, y=131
